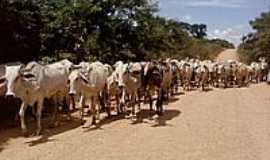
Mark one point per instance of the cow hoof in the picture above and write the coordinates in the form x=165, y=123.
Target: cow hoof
x=127, y=116
x=38, y=132
x=133, y=117
x=94, y=123
x=83, y=122
x=68, y=118
x=151, y=117
x=25, y=133
x=54, y=124
x=160, y=114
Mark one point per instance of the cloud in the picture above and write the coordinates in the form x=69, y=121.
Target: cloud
x=231, y=34
x=215, y=3
x=187, y=17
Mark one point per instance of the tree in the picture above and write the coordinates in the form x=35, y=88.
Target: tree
x=20, y=26
x=257, y=44
x=89, y=30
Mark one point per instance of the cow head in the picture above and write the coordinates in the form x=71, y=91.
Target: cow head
x=220, y=68
x=121, y=70
x=135, y=70
x=12, y=76
x=18, y=80
x=152, y=74
x=112, y=82
x=77, y=80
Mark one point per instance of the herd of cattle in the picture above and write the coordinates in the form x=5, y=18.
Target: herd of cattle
x=96, y=85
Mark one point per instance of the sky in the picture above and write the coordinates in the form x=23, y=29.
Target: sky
x=226, y=19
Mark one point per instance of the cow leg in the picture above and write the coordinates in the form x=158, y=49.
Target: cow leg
x=39, y=112
x=107, y=102
x=160, y=101
x=122, y=101
x=139, y=99
x=150, y=101
x=34, y=112
x=72, y=102
x=54, y=118
x=225, y=83
x=203, y=89
x=98, y=108
x=160, y=104
x=172, y=90
x=133, y=102
x=66, y=106
x=93, y=110
x=22, y=114
x=118, y=107
x=82, y=109
x=102, y=101
x=167, y=94
x=186, y=86
x=108, y=106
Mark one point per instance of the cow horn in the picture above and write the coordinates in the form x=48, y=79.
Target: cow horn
x=29, y=76
x=146, y=69
x=75, y=67
x=84, y=78
x=21, y=70
x=2, y=79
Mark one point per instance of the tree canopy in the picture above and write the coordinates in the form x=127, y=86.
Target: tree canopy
x=257, y=44
x=105, y=30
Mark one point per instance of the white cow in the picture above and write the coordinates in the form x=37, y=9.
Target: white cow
x=32, y=84
x=202, y=75
x=114, y=91
x=64, y=67
x=89, y=84
x=130, y=81
x=167, y=77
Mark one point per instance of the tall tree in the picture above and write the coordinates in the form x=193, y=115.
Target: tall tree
x=20, y=26
x=257, y=44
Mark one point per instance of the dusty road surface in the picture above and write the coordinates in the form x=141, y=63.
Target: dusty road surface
x=222, y=124
x=229, y=54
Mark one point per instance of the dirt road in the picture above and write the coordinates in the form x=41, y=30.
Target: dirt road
x=230, y=124
x=229, y=54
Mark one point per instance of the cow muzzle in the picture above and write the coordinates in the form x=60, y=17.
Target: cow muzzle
x=72, y=93
x=10, y=95
x=121, y=87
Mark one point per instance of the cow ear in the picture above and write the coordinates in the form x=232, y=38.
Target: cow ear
x=146, y=68
x=2, y=79
x=29, y=76
x=21, y=70
x=73, y=67
x=114, y=66
x=83, y=77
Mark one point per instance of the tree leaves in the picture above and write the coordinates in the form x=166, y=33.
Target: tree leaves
x=105, y=30
x=256, y=45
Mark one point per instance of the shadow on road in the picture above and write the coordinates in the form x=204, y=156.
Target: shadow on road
x=104, y=122
x=160, y=121
x=6, y=136
x=47, y=133
x=9, y=134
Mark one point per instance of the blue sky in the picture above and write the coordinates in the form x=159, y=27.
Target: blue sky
x=227, y=19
